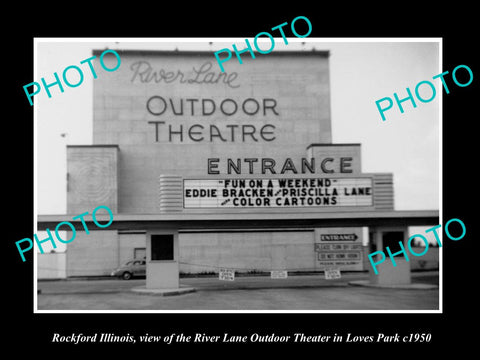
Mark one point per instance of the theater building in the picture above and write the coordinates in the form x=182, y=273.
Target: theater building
x=206, y=170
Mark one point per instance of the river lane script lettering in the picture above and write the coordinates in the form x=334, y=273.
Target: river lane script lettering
x=143, y=72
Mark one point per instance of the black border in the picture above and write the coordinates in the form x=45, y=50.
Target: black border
x=456, y=24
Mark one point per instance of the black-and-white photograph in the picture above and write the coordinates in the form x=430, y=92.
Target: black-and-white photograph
x=271, y=174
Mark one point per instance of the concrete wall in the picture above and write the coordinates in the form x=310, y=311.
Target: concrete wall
x=91, y=178
x=98, y=253
x=93, y=254
x=337, y=151
x=51, y=266
x=101, y=251
x=389, y=274
x=128, y=242
x=247, y=251
x=429, y=261
x=299, y=84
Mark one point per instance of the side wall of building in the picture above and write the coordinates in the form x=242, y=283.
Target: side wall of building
x=93, y=254
x=51, y=265
x=247, y=251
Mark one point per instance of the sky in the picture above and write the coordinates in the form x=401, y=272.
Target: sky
x=361, y=72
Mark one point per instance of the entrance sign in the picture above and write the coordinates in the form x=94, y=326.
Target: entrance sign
x=241, y=193
x=338, y=237
x=339, y=248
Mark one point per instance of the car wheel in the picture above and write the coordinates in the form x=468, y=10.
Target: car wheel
x=126, y=275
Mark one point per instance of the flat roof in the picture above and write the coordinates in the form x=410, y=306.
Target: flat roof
x=94, y=145
x=334, y=144
x=322, y=53
x=182, y=220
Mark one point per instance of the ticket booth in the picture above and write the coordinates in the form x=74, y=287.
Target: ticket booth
x=390, y=272
x=162, y=260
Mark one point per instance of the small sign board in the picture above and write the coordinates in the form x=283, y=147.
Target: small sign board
x=338, y=237
x=340, y=248
x=332, y=273
x=226, y=275
x=278, y=274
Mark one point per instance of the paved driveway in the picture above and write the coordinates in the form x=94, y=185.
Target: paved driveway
x=307, y=292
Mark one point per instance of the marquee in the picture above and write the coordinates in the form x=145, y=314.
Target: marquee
x=286, y=192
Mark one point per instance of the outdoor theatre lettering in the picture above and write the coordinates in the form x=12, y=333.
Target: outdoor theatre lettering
x=231, y=131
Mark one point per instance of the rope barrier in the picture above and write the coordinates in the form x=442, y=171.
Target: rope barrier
x=249, y=269
x=206, y=266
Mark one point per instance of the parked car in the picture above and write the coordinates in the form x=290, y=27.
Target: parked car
x=135, y=267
